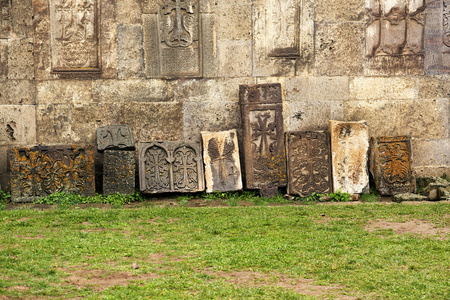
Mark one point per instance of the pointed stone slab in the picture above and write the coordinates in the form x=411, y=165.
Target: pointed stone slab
x=166, y=166
x=309, y=163
x=349, y=148
x=265, y=158
x=40, y=171
x=119, y=172
x=221, y=158
x=115, y=137
x=391, y=165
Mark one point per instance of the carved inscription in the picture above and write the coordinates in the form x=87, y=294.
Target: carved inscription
x=118, y=172
x=283, y=27
x=74, y=35
x=309, y=163
x=395, y=27
x=115, y=137
x=5, y=18
x=170, y=167
x=221, y=157
x=446, y=22
x=41, y=171
x=391, y=165
x=261, y=107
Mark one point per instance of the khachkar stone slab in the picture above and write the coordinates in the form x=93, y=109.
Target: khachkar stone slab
x=395, y=36
x=349, y=149
x=265, y=158
x=221, y=158
x=170, y=167
x=309, y=163
x=115, y=137
x=119, y=169
x=5, y=18
x=390, y=165
x=41, y=171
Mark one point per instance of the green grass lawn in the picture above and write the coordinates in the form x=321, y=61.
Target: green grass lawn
x=260, y=252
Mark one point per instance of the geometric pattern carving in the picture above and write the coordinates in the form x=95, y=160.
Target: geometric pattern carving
x=391, y=165
x=75, y=35
x=309, y=163
x=265, y=158
x=5, y=18
x=119, y=168
x=395, y=27
x=41, y=171
x=115, y=137
x=170, y=167
x=221, y=158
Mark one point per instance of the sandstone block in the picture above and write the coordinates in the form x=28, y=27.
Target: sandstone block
x=54, y=124
x=64, y=91
x=6, y=19
x=22, y=18
x=339, y=11
x=3, y=59
x=130, y=51
x=234, y=58
x=18, y=92
x=115, y=137
x=17, y=125
x=119, y=169
x=239, y=15
x=20, y=59
x=129, y=12
x=166, y=166
x=431, y=153
x=221, y=158
x=349, y=147
x=381, y=88
x=317, y=88
x=41, y=171
x=314, y=115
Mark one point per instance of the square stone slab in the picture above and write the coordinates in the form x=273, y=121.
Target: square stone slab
x=166, y=166
x=265, y=157
x=115, y=137
x=221, y=158
x=41, y=171
x=308, y=163
x=349, y=148
x=119, y=172
x=390, y=165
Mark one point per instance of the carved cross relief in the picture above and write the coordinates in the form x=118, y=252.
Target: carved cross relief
x=178, y=22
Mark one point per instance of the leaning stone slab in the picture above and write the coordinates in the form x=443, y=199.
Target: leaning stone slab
x=119, y=172
x=390, y=165
x=166, y=166
x=115, y=137
x=40, y=171
x=308, y=163
x=349, y=147
x=265, y=158
x=408, y=197
x=221, y=158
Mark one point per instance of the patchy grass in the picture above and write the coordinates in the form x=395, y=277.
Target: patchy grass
x=366, y=251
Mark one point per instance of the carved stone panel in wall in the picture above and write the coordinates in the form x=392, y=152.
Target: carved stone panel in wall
x=349, y=148
x=5, y=18
x=119, y=169
x=115, y=137
x=308, y=163
x=170, y=167
x=390, y=165
x=221, y=158
x=41, y=171
x=75, y=35
x=265, y=159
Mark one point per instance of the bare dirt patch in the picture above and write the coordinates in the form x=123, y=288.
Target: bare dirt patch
x=418, y=227
x=27, y=237
x=20, y=288
x=299, y=285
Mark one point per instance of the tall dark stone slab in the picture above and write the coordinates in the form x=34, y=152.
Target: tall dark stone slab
x=170, y=167
x=115, y=137
x=40, y=171
x=119, y=172
x=390, y=165
x=309, y=163
x=265, y=159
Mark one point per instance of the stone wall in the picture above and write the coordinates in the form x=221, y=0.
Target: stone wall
x=68, y=67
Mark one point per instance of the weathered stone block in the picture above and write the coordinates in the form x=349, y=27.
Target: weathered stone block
x=308, y=163
x=349, y=148
x=129, y=12
x=221, y=158
x=41, y=171
x=17, y=125
x=115, y=137
x=235, y=58
x=391, y=165
x=314, y=115
x=130, y=51
x=4, y=170
x=22, y=18
x=239, y=15
x=3, y=59
x=5, y=19
x=54, y=124
x=64, y=91
x=20, y=59
x=18, y=92
x=339, y=11
x=317, y=88
x=381, y=88
x=431, y=153
x=119, y=169
x=265, y=158
x=170, y=167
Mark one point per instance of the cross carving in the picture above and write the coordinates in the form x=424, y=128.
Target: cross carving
x=179, y=35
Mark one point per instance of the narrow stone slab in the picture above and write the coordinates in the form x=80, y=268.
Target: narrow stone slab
x=349, y=148
x=390, y=165
x=40, y=171
x=115, y=137
x=166, y=166
x=119, y=172
x=221, y=158
x=309, y=163
x=265, y=157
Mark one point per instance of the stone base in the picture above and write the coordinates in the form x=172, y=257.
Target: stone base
x=119, y=171
x=268, y=192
